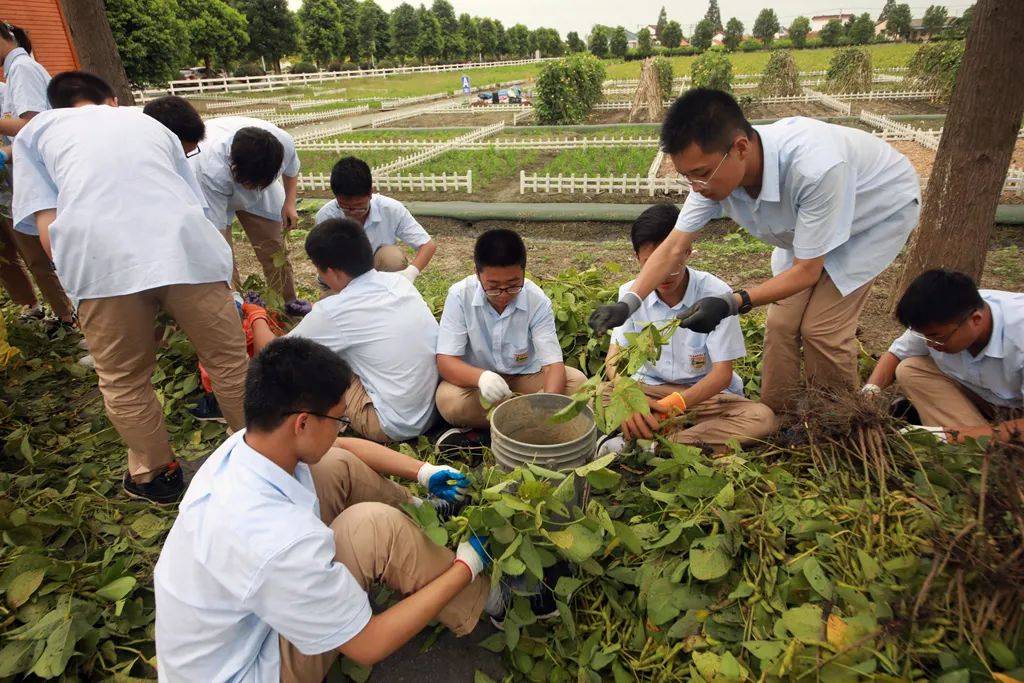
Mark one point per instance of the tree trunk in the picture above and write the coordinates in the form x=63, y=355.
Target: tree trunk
x=974, y=153
x=94, y=43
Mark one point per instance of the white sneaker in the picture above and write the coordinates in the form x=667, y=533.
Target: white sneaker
x=87, y=361
x=82, y=344
x=610, y=444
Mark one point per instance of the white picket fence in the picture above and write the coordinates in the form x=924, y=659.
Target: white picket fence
x=306, y=104
x=444, y=182
x=828, y=101
x=484, y=108
x=384, y=119
x=322, y=132
x=889, y=95
x=436, y=151
x=312, y=117
x=523, y=115
x=495, y=143
x=624, y=184
x=926, y=138
x=247, y=102
x=401, y=102
x=1014, y=182
x=340, y=146
x=254, y=113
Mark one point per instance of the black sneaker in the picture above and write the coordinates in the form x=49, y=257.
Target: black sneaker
x=542, y=603
x=164, y=490
x=462, y=439
x=207, y=410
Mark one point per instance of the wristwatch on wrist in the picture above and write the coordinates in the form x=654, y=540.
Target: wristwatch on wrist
x=745, y=306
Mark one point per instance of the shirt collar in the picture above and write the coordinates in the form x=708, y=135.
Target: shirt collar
x=770, y=173
x=374, y=214
x=9, y=59
x=994, y=348
x=655, y=300
x=298, y=489
x=480, y=299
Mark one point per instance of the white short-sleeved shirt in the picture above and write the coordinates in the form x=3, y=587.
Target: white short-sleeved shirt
x=519, y=341
x=246, y=560
x=689, y=355
x=388, y=222
x=130, y=214
x=380, y=325
x=212, y=167
x=827, y=190
x=24, y=91
x=997, y=373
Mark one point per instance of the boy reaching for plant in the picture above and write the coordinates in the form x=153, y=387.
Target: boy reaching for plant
x=264, y=574
x=497, y=337
x=697, y=366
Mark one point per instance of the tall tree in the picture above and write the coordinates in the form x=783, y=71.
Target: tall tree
x=574, y=43
x=703, y=32
x=216, y=29
x=548, y=42
x=94, y=44
x=599, y=41
x=975, y=149
x=272, y=29
x=798, y=31
x=373, y=30
x=831, y=33
x=898, y=23
x=618, y=43
x=350, y=29
x=502, y=42
x=644, y=44
x=148, y=36
x=445, y=13
x=672, y=35
x=733, y=35
x=404, y=27
x=429, y=41
x=321, y=30
x=470, y=37
x=766, y=26
x=863, y=30
x=659, y=28
x=487, y=32
x=934, y=20
x=958, y=29
x=884, y=14
x=714, y=15
x=519, y=41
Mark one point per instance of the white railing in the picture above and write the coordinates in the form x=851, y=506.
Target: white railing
x=624, y=184
x=236, y=104
x=495, y=143
x=927, y=138
x=394, y=104
x=346, y=145
x=613, y=106
x=484, y=108
x=253, y=113
x=385, y=119
x=523, y=115
x=889, y=95
x=313, y=117
x=322, y=132
x=436, y=151
x=444, y=182
x=1014, y=183
x=306, y=104
x=828, y=101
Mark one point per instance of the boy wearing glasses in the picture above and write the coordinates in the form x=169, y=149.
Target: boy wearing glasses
x=697, y=366
x=385, y=220
x=154, y=250
x=497, y=337
x=961, y=360
x=838, y=205
x=379, y=324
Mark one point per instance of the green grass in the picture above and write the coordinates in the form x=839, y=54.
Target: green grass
x=487, y=165
x=578, y=132
x=411, y=85
x=397, y=134
x=601, y=161
x=882, y=56
x=321, y=162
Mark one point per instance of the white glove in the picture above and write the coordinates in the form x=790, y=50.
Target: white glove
x=939, y=433
x=450, y=486
x=871, y=389
x=410, y=273
x=473, y=553
x=493, y=387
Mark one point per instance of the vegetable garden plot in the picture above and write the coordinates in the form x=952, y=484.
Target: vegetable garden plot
x=492, y=169
x=601, y=161
x=898, y=107
x=452, y=118
x=403, y=134
x=315, y=161
x=755, y=110
x=577, y=132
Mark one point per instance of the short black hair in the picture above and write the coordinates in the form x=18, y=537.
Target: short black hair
x=340, y=243
x=351, y=177
x=68, y=88
x=178, y=116
x=709, y=118
x=938, y=296
x=17, y=34
x=653, y=225
x=256, y=156
x=500, y=247
x=292, y=375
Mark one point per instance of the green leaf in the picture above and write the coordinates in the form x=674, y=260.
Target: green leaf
x=60, y=645
x=577, y=542
x=815, y=576
x=437, y=534
x=16, y=657
x=149, y=525
x=118, y=588
x=765, y=650
x=494, y=642
x=567, y=585
x=1003, y=655
x=23, y=586
x=869, y=565
x=528, y=554
x=699, y=486
x=803, y=622
x=709, y=560
x=726, y=497
x=628, y=538
x=595, y=465
x=357, y=672
x=480, y=677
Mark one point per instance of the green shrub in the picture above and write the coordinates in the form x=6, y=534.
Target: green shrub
x=750, y=45
x=782, y=44
x=780, y=76
x=849, y=70
x=712, y=70
x=249, y=70
x=568, y=88
x=387, y=63
x=663, y=67
x=934, y=67
x=304, y=68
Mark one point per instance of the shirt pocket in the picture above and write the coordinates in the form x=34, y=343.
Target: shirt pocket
x=695, y=360
x=516, y=347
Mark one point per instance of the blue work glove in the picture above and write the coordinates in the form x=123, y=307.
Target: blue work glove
x=3, y=160
x=473, y=553
x=442, y=481
x=705, y=315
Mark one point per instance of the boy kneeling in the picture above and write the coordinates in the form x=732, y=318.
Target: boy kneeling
x=253, y=584
x=697, y=366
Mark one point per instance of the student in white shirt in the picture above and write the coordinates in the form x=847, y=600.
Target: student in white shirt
x=248, y=168
x=377, y=323
x=961, y=360
x=263, y=577
x=385, y=220
x=497, y=337
x=157, y=251
x=22, y=97
x=697, y=366
x=836, y=202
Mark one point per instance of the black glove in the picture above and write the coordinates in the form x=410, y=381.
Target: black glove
x=705, y=315
x=607, y=317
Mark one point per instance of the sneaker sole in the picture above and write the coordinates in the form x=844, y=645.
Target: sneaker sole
x=136, y=496
x=500, y=625
x=220, y=420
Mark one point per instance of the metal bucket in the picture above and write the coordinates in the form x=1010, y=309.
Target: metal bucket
x=522, y=432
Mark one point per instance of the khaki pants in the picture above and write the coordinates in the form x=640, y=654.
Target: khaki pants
x=13, y=274
x=719, y=419
x=390, y=258
x=359, y=409
x=460, y=406
x=267, y=239
x=940, y=400
x=39, y=264
x=824, y=323
x=378, y=543
x=119, y=330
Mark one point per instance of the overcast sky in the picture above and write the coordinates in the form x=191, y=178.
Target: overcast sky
x=577, y=15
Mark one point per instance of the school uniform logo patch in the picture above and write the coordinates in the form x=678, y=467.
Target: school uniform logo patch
x=521, y=356
x=698, y=360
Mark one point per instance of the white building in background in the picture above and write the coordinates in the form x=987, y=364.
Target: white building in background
x=819, y=20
